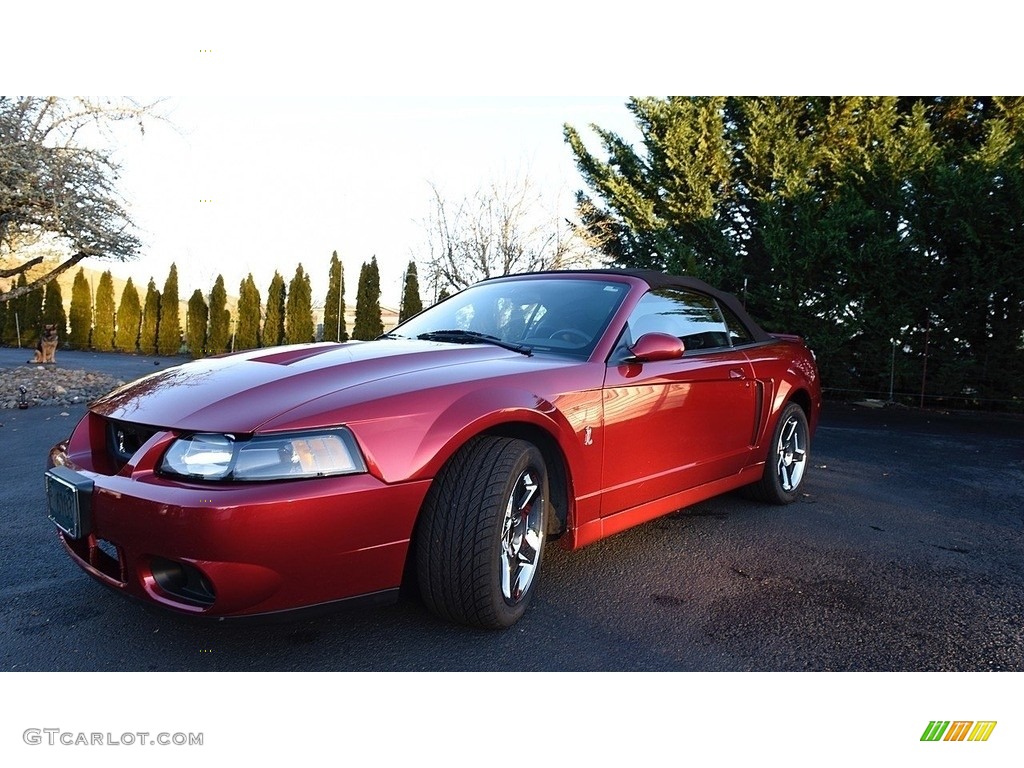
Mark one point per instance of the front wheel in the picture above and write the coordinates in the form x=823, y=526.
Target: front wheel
x=787, y=458
x=481, y=533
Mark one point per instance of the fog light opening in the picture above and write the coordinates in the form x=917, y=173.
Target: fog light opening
x=182, y=581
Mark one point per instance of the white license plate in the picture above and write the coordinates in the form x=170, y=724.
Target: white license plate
x=69, y=501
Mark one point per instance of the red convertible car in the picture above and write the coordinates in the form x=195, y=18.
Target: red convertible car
x=446, y=454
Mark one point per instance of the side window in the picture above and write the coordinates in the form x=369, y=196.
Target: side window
x=738, y=333
x=692, y=317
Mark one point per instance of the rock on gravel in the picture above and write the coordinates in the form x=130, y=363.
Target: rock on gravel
x=49, y=385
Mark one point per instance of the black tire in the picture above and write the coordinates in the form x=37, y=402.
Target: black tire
x=480, y=537
x=788, y=455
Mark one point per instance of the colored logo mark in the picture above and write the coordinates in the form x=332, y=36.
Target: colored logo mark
x=958, y=730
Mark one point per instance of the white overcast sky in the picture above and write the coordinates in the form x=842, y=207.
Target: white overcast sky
x=246, y=183
x=312, y=127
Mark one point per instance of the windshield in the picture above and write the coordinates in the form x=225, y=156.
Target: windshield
x=556, y=316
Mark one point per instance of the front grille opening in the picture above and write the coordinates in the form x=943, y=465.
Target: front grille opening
x=124, y=440
x=183, y=582
x=105, y=558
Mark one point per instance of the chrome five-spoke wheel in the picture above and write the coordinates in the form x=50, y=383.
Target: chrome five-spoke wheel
x=521, y=537
x=788, y=454
x=480, y=537
x=791, y=452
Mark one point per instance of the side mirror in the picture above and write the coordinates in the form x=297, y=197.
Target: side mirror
x=654, y=347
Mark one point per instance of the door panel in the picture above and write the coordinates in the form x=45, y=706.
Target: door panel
x=674, y=425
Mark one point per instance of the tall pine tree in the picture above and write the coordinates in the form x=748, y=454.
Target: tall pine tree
x=53, y=309
x=3, y=315
x=334, y=306
x=368, y=324
x=105, y=322
x=412, y=304
x=247, y=332
x=81, y=312
x=299, y=309
x=14, y=325
x=218, y=335
x=150, y=320
x=169, y=337
x=129, y=319
x=196, y=321
x=867, y=224
x=273, y=324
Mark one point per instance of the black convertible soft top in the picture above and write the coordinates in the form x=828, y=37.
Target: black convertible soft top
x=657, y=279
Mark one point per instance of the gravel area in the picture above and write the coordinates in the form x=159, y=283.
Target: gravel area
x=48, y=385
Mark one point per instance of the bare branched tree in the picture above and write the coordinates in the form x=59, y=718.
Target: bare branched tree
x=55, y=190
x=503, y=228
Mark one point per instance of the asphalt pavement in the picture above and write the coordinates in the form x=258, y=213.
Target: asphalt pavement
x=905, y=553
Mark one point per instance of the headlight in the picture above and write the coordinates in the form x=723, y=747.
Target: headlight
x=264, y=457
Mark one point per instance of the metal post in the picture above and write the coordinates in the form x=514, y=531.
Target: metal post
x=924, y=368
x=340, y=268
x=892, y=370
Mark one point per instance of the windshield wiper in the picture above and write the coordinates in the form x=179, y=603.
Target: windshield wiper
x=458, y=336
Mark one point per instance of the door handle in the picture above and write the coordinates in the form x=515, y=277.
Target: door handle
x=737, y=373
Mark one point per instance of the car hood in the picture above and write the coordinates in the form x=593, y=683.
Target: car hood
x=238, y=393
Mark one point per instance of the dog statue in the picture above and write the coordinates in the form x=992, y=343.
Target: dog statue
x=46, y=349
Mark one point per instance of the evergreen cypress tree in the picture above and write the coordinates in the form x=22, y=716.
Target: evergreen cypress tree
x=273, y=324
x=334, y=306
x=368, y=324
x=129, y=319
x=169, y=338
x=150, y=320
x=53, y=309
x=196, y=322
x=81, y=312
x=218, y=335
x=33, y=319
x=247, y=333
x=412, y=304
x=299, y=309
x=15, y=325
x=103, y=330
x=3, y=315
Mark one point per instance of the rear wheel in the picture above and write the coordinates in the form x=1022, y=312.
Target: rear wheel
x=481, y=533
x=787, y=458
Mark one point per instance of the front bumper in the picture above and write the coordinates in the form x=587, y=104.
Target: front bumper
x=238, y=549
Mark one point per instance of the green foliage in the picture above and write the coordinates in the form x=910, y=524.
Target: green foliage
x=368, y=324
x=247, y=334
x=150, y=320
x=853, y=221
x=169, y=336
x=80, y=317
x=299, y=309
x=412, y=304
x=196, y=321
x=129, y=319
x=14, y=322
x=53, y=309
x=32, y=318
x=334, y=305
x=273, y=323
x=105, y=322
x=218, y=335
